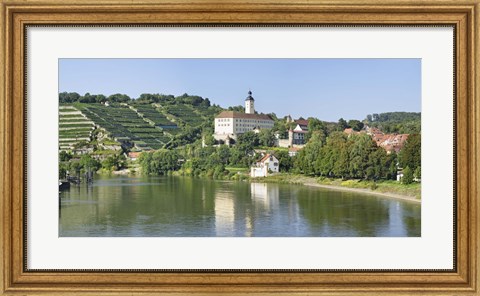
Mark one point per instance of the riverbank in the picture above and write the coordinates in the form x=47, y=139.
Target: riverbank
x=388, y=189
x=384, y=189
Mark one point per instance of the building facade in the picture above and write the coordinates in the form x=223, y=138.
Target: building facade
x=296, y=136
x=228, y=124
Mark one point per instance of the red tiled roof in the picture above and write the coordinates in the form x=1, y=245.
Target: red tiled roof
x=265, y=157
x=302, y=122
x=233, y=114
x=134, y=154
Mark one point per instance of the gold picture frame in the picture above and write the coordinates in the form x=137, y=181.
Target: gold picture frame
x=17, y=14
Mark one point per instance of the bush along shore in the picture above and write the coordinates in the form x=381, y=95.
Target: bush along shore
x=386, y=188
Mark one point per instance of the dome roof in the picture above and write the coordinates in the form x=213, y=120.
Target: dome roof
x=249, y=98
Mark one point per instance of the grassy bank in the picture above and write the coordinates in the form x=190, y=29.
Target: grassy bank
x=390, y=188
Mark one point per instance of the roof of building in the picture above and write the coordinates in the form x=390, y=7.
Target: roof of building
x=267, y=156
x=249, y=98
x=134, y=154
x=299, y=132
x=302, y=122
x=233, y=114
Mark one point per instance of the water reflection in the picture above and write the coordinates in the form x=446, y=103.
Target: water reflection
x=175, y=206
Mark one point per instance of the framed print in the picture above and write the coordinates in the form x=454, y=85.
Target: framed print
x=240, y=147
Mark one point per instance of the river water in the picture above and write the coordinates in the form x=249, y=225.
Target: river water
x=190, y=207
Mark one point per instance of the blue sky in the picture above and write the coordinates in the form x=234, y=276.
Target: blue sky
x=324, y=88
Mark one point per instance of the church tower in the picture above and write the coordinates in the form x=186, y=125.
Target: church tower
x=249, y=101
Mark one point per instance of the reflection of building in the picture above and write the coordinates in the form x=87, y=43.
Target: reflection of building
x=233, y=216
x=269, y=164
x=224, y=214
x=266, y=195
x=228, y=124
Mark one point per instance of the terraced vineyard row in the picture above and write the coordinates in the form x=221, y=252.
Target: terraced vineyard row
x=149, y=112
x=186, y=114
x=140, y=123
x=121, y=122
x=74, y=127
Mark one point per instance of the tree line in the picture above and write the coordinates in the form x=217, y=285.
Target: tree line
x=86, y=163
x=357, y=156
x=396, y=122
x=73, y=97
x=337, y=156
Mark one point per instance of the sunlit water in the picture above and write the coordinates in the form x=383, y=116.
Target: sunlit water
x=189, y=207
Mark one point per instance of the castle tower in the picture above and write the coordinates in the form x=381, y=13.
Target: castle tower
x=249, y=101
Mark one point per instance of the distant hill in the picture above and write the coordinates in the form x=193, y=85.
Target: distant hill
x=396, y=122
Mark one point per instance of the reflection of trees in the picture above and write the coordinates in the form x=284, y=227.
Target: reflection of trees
x=336, y=213
x=132, y=206
x=176, y=206
x=413, y=225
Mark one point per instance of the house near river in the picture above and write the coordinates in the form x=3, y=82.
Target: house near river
x=268, y=165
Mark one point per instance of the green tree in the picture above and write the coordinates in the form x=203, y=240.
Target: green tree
x=247, y=141
x=64, y=156
x=410, y=155
x=285, y=160
x=160, y=162
x=223, y=152
x=119, y=98
x=209, y=139
x=356, y=125
x=66, y=97
x=418, y=173
x=114, y=162
x=309, y=159
x=62, y=171
x=407, y=176
x=266, y=138
x=74, y=168
x=314, y=126
x=360, y=149
x=89, y=164
x=342, y=124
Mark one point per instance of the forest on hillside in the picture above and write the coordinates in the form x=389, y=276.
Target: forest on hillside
x=396, y=122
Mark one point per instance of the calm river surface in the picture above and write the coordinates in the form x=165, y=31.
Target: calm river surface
x=181, y=206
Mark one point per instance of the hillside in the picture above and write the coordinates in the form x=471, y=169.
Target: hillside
x=145, y=124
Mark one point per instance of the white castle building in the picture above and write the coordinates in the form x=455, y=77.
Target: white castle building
x=228, y=124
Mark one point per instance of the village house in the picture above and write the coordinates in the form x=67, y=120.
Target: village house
x=229, y=124
x=269, y=164
x=296, y=136
x=389, y=142
x=133, y=156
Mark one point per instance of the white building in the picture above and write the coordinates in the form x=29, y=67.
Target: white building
x=296, y=136
x=230, y=123
x=269, y=164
